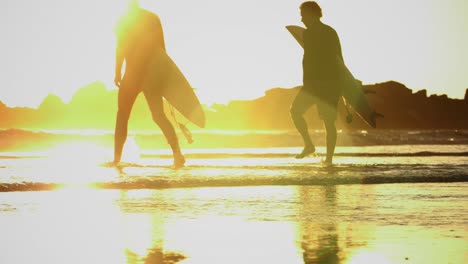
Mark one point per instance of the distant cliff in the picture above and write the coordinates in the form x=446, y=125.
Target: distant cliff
x=94, y=107
x=402, y=109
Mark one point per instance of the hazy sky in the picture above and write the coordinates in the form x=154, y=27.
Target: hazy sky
x=232, y=49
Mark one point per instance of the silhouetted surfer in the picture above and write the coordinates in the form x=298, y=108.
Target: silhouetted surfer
x=321, y=75
x=139, y=36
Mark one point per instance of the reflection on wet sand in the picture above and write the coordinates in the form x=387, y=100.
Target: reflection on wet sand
x=260, y=224
x=154, y=256
x=319, y=241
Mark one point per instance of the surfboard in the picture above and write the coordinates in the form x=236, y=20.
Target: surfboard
x=164, y=75
x=353, y=92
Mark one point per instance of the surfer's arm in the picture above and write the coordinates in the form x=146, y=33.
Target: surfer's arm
x=119, y=59
x=336, y=40
x=163, y=42
x=120, y=31
x=160, y=32
x=340, y=53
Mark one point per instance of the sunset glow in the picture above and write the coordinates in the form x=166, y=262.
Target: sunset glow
x=231, y=132
x=232, y=50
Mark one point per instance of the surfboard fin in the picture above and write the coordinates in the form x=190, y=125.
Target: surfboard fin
x=186, y=133
x=349, y=118
x=374, y=116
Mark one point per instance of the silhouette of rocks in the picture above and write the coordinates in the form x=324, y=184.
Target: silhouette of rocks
x=406, y=110
x=402, y=109
x=52, y=102
x=94, y=107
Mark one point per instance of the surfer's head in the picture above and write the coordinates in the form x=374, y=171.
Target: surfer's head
x=133, y=5
x=310, y=12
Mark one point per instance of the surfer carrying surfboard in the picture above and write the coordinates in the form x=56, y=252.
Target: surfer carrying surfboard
x=139, y=37
x=321, y=76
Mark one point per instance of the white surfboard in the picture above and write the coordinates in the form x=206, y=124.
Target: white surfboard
x=164, y=75
x=352, y=90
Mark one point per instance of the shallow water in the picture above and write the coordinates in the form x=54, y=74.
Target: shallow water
x=82, y=166
x=376, y=204
x=385, y=223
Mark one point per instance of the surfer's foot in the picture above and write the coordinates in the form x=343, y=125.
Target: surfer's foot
x=179, y=161
x=110, y=164
x=327, y=162
x=306, y=152
x=114, y=163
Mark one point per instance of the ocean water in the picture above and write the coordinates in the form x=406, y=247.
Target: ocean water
x=383, y=201
x=81, y=165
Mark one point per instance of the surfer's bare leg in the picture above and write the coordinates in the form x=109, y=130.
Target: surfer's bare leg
x=155, y=103
x=331, y=139
x=301, y=104
x=126, y=99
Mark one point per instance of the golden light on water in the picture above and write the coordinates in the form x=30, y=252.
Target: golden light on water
x=88, y=153
x=209, y=237
x=331, y=223
x=368, y=257
x=73, y=164
x=84, y=153
x=214, y=225
x=216, y=239
x=139, y=239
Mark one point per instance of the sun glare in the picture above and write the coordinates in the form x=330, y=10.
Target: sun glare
x=75, y=165
x=368, y=257
x=78, y=152
x=213, y=240
x=131, y=152
x=425, y=39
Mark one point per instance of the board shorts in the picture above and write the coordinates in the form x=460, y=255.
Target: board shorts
x=325, y=94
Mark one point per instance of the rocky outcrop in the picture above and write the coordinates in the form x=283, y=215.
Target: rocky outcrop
x=94, y=107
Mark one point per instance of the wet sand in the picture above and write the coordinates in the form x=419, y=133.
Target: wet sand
x=384, y=223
